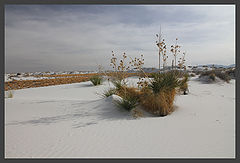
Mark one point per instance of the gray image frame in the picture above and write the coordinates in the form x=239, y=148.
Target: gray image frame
x=157, y=2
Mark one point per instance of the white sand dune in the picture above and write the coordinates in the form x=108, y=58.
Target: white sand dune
x=73, y=121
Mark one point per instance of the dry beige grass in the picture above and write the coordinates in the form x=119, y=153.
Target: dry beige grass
x=159, y=104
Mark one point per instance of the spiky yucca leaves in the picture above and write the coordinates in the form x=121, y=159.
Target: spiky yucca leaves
x=127, y=102
x=118, y=84
x=96, y=80
x=130, y=97
x=109, y=92
x=159, y=96
x=164, y=82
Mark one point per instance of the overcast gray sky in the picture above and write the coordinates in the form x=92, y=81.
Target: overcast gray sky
x=80, y=37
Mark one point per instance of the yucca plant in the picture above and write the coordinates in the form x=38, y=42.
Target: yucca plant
x=175, y=49
x=118, y=84
x=96, y=80
x=163, y=82
x=159, y=96
x=128, y=102
x=109, y=92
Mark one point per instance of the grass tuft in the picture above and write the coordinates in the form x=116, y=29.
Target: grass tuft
x=96, y=80
x=109, y=92
x=128, y=103
x=160, y=104
x=164, y=82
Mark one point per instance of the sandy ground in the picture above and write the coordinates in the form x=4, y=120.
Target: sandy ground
x=73, y=121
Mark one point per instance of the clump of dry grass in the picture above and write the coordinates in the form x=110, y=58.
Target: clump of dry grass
x=159, y=104
x=159, y=96
x=136, y=113
x=131, y=92
x=130, y=97
x=109, y=92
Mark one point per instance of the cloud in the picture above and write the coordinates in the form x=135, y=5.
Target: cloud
x=78, y=37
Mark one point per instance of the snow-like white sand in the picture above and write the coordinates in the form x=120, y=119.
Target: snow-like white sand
x=73, y=121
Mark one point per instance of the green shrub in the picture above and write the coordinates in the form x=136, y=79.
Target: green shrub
x=96, y=80
x=212, y=77
x=223, y=76
x=159, y=96
x=109, y=92
x=164, y=82
x=213, y=74
x=118, y=84
x=128, y=103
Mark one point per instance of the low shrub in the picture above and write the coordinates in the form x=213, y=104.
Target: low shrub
x=131, y=92
x=212, y=77
x=117, y=84
x=223, y=76
x=183, y=84
x=213, y=74
x=96, y=80
x=231, y=73
x=164, y=81
x=159, y=96
x=127, y=102
x=160, y=104
x=179, y=73
x=109, y=92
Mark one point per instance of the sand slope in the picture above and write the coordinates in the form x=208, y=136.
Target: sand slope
x=73, y=121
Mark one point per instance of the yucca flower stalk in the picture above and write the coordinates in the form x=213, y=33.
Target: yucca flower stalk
x=181, y=62
x=175, y=49
x=120, y=69
x=161, y=49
